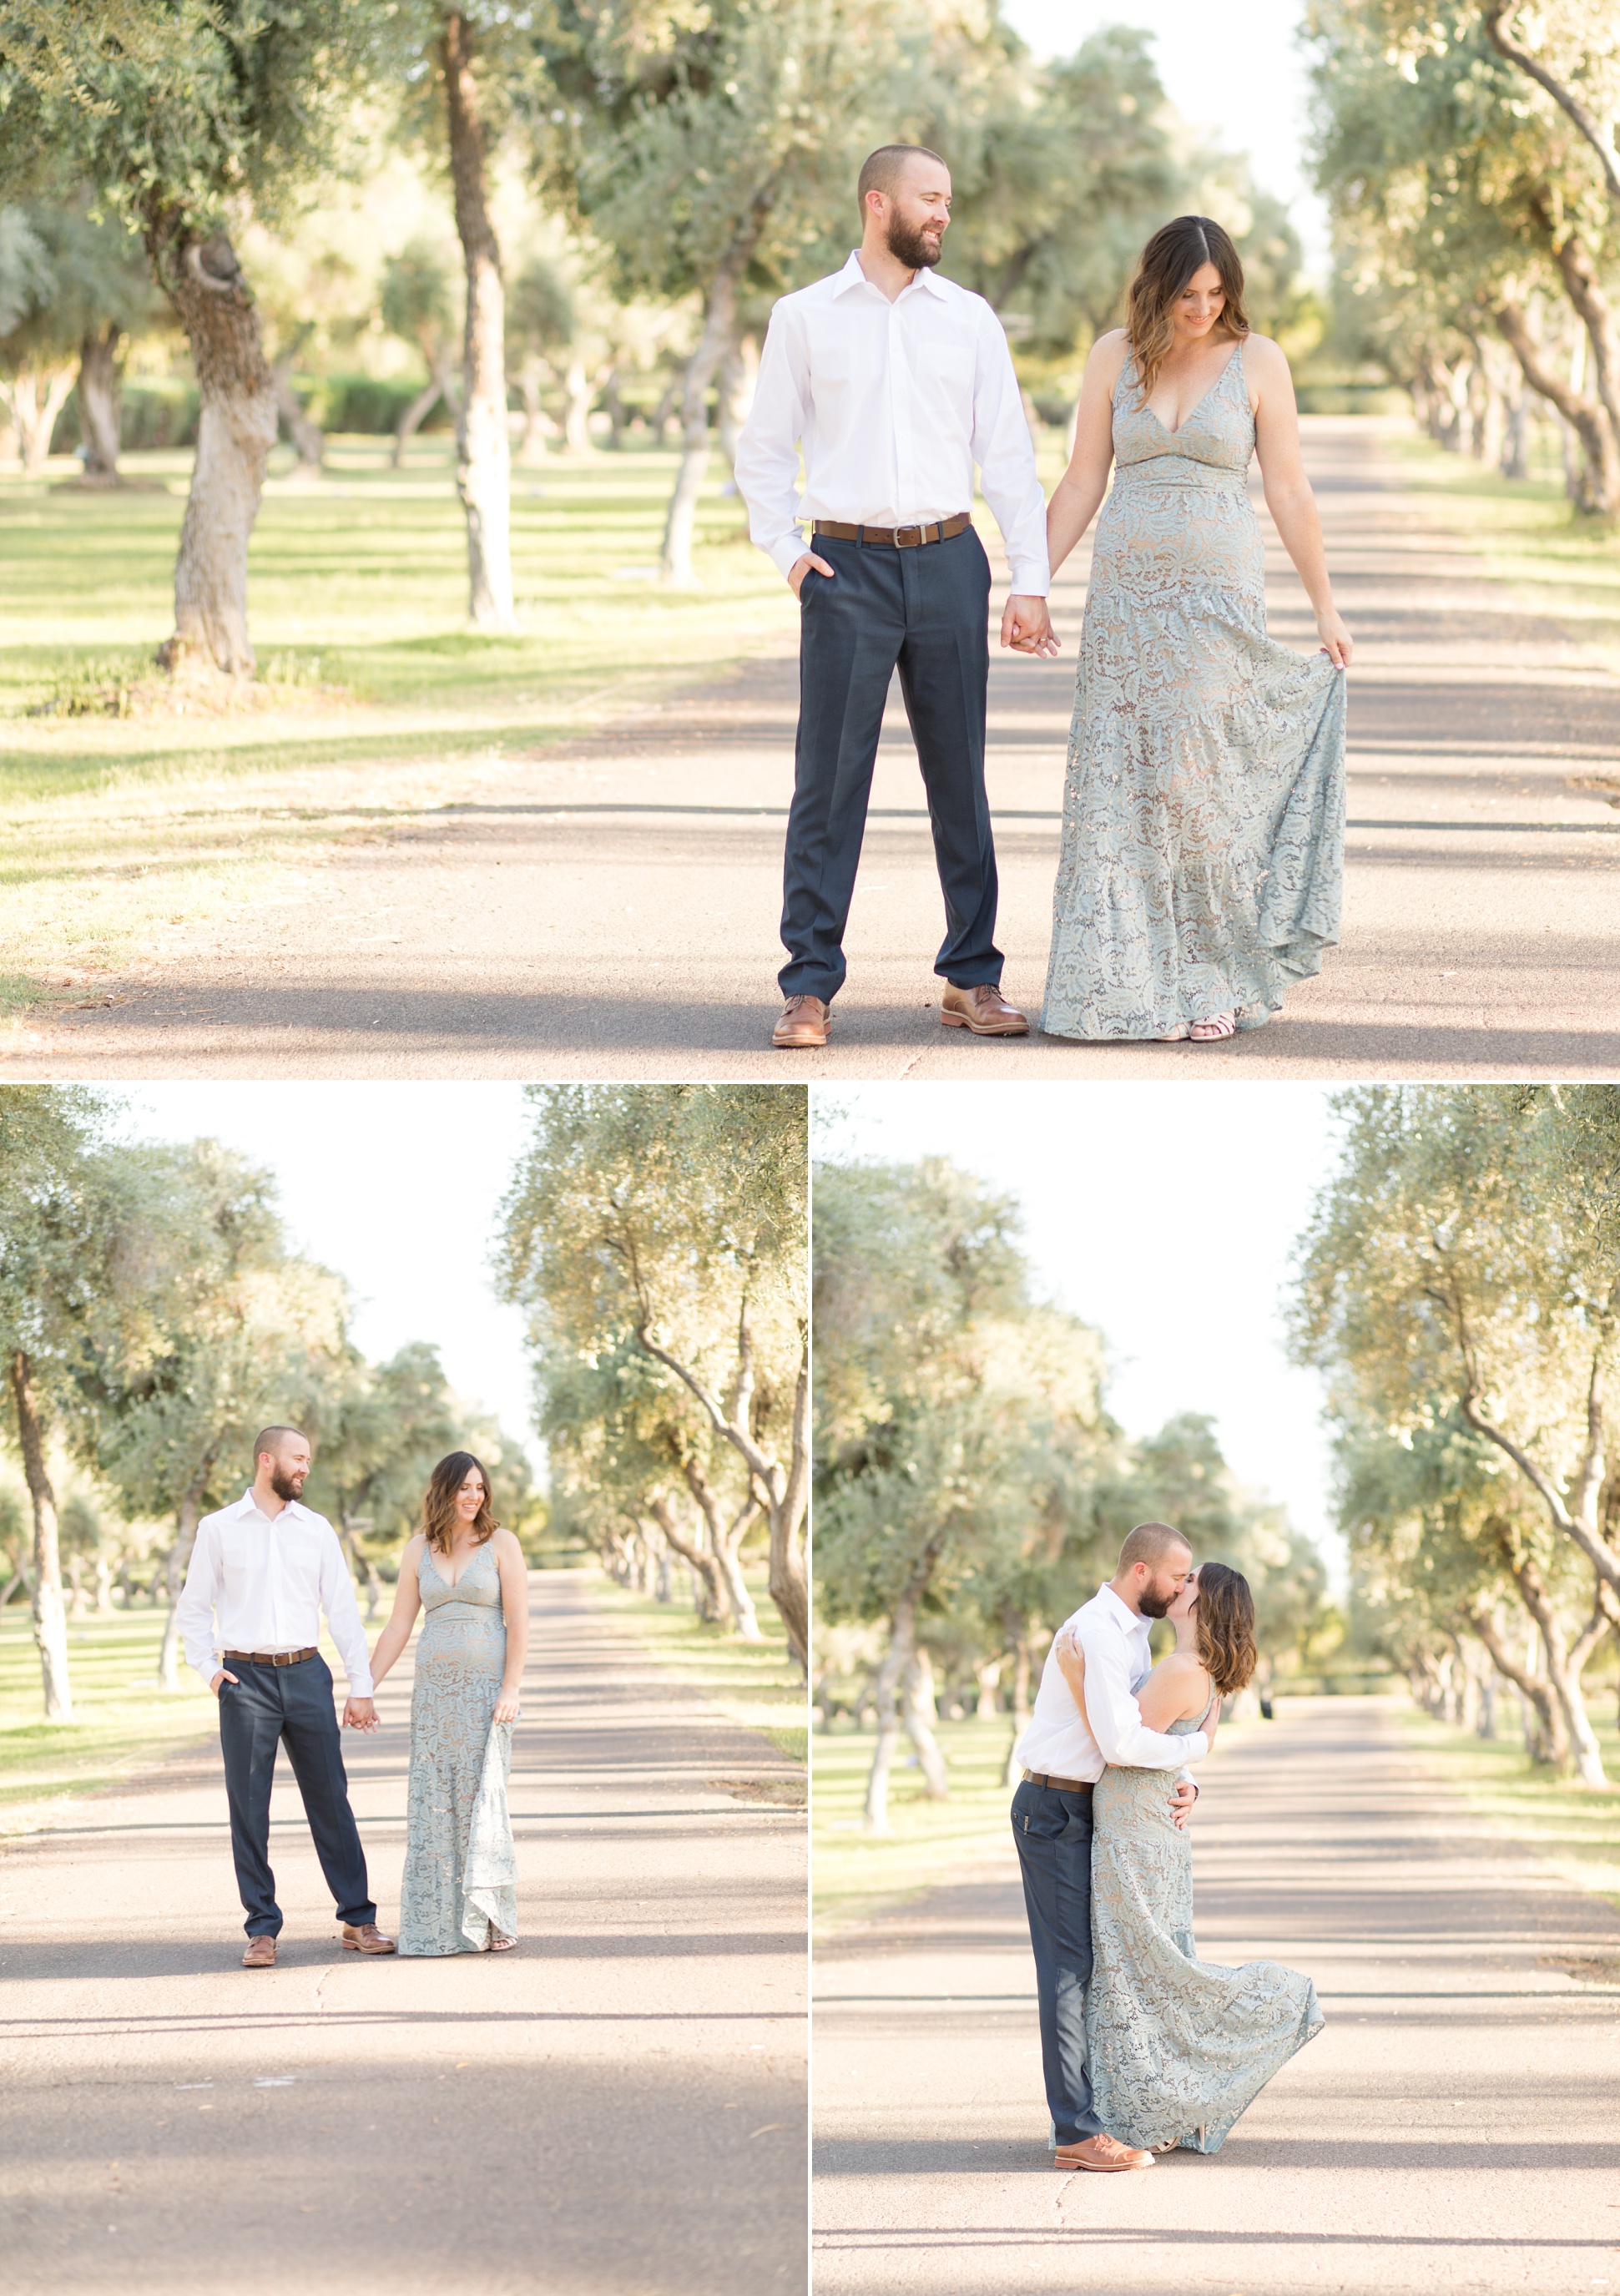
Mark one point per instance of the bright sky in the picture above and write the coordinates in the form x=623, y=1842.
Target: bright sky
x=397, y=1186
x=1165, y=1215
x=1229, y=65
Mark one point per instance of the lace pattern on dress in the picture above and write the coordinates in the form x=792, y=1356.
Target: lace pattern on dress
x=1203, y=813
x=1177, y=2047
x=461, y=1866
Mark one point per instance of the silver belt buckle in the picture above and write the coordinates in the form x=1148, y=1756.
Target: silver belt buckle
x=917, y=534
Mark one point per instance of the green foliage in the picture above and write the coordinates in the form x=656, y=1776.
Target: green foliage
x=539, y=311
x=63, y=275
x=1060, y=177
x=215, y=102
x=966, y=1463
x=649, y=1227
x=419, y=297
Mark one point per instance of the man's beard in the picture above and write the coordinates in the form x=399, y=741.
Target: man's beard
x=911, y=247
x=1154, y=1605
x=286, y=1486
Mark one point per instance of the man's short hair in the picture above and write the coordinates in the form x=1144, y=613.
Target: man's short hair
x=1149, y=1543
x=885, y=166
x=270, y=1439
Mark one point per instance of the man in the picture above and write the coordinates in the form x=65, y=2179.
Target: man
x=895, y=383
x=261, y=1573
x=1051, y=1813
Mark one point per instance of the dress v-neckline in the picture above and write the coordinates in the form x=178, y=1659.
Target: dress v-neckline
x=1236, y=352
x=454, y=1583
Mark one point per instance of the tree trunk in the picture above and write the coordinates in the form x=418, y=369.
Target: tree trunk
x=719, y=323
x=1598, y=483
x=1549, y=1744
x=1015, y=1628
x=174, y=1579
x=918, y=1712
x=415, y=414
x=99, y=410
x=50, y=1623
x=103, y=1585
x=35, y=402
x=733, y=398
x=787, y=1496
x=901, y=1641
x=1564, y=1662
x=531, y=448
x=483, y=448
x=726, y=1540
x=675, y=560
x=235, y=431
x=617, y=412
x=576, y=422
x=308, y=440
x=706, y=1569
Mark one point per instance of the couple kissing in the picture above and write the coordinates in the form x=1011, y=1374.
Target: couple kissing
x=1145, y=2048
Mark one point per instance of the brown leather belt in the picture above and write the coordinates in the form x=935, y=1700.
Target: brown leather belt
x=1058, y=1786
x=271, y=1658
x=895, y=538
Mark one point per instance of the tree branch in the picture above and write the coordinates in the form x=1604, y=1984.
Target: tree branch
x=1496, y=14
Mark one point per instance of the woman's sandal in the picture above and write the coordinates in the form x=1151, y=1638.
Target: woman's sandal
x=1212, y=1031
x=497, y=1943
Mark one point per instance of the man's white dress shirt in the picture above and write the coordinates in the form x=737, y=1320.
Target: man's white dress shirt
x=260, y=1584
x=1060, y=1742
x=893, y=405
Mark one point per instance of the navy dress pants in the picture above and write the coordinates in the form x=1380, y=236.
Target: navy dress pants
x=267, y=1707
x=925, y=612
x=1054, y=1834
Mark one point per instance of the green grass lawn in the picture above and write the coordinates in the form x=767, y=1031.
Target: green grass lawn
x=375, y=699
x=755, y=1683
x=1575, y=1829
x=858, y=1874
x=1527, y=533
x=125, y=1723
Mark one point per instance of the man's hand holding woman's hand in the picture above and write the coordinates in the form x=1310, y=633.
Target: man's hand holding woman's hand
x=802, y=566
x=360, y=1714
x=1026, y=626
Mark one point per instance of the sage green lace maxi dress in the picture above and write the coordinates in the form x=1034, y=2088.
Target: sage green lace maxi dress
x=1177, y=2047
x=460, y=1869
x=1204, y=812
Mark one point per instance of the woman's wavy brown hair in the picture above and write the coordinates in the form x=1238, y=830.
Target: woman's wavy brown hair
x=1224, y=1620
x=1168, y=263
x=438, y=1502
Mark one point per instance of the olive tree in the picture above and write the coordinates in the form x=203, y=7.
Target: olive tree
x=1462, y=1269
x=210, y=104
x=669, y=1221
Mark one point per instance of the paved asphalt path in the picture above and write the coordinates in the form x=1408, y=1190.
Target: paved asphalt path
x=1456, y=2126
x=618, y=2106
x=609, y=908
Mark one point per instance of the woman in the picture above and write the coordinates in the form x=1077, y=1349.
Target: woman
x=1177, y=2047
x=459, y=1894
x=1203, y=818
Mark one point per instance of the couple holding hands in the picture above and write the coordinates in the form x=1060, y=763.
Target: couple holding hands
x=262, y=1573
x=1203, y=821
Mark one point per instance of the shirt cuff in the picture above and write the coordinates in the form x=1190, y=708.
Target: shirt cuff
x=1030, y=577
x=360, y=1682
x=786, y=553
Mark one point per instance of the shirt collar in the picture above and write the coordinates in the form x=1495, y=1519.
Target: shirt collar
x=249, y=1504
x=852, y=275
x=1122, y=1612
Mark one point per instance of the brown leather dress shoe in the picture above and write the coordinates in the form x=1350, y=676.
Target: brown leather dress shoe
x=983, y=1010
x=366, y=1939
x=804, y=1023
x=1104, y=2154
x=260, y=1954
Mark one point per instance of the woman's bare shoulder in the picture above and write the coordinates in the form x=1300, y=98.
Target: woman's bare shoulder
x=1110, y=349
x=507, y=1543
x=1265, y=357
